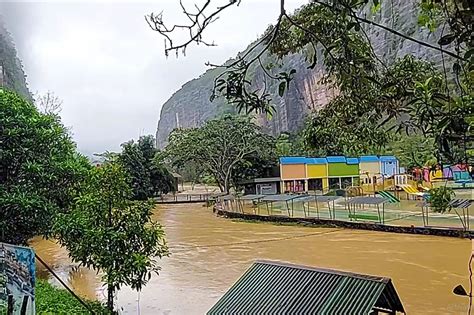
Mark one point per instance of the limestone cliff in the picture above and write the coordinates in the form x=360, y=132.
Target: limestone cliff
x=11, y=69
x=190, y=105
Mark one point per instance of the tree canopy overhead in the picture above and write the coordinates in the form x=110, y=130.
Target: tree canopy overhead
x=374, y=99
x=39, y=169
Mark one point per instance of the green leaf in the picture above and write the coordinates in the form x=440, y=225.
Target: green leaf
x=281, y=88
x=456, y=68
x=376, y=7
x=446, y=39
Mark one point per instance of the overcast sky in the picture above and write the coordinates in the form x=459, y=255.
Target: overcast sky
x=102, y=59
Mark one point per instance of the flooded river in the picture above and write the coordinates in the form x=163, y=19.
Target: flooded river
x=210, y=253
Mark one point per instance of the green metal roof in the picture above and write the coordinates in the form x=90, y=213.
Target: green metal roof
x=269, y=287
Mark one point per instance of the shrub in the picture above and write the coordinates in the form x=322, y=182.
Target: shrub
x=52, y=300
x=440, y=198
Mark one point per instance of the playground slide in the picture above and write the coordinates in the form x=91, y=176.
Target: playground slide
x=389, y=196
x=411, y=190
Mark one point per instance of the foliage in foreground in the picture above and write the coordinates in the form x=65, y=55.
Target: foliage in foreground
x=109, y=233
x=52, y=300
x=227, y=148
x=39, y=169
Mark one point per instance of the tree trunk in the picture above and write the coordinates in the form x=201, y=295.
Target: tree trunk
x=110, y=298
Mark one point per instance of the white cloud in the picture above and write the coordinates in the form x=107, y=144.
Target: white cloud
x=109, y=67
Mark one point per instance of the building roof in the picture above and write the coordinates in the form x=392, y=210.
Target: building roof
x=387, y=158
x=292, y=160
x=269, y=287
x=336, y=159
x=369, y=158
x=313, y=161
x=352, y=160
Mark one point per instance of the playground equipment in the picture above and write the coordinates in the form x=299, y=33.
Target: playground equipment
x=463, y=178
x=354, y=191
x=389, y=196
x=412, y=191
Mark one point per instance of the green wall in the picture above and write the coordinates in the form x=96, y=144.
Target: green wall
x=343, y=169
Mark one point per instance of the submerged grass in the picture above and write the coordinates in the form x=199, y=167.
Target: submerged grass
x=53, y=300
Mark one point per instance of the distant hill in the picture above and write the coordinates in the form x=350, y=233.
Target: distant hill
x=190, y=105
x=12, y=75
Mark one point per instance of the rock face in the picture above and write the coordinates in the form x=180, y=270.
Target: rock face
x=11, y=69
x=190, y=106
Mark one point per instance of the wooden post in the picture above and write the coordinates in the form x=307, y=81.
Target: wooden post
x=10, y=305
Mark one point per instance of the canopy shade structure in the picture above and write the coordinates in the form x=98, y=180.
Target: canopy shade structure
x=463, y=205
x=367, y=200
x=226, y=197
x=251, y=197
x=460, y=203
x=317, y=199
x=270, y=199
x=255, y=198
x=280, y=197
x=360, y=202
x=269, y=287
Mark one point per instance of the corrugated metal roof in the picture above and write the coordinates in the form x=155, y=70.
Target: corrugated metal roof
x=387, y=158
x=369, y=158
x=336, y=159
x=352, y=161
x=313, y=161
x=292, y=160
x=362, y=200
x=277, y=288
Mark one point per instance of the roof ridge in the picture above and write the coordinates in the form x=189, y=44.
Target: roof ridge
x=324, y=270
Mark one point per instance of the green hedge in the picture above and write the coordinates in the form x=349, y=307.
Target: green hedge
x=52, y=300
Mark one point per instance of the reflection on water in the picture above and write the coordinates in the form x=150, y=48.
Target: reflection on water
x=210, y=253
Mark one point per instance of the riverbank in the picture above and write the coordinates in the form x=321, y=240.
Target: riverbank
x=315, y=222
x=53, y=300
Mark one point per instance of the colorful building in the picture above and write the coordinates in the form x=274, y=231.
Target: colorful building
x=293, y=174
x=301, y=174
x=369, y=169
x=342, y=172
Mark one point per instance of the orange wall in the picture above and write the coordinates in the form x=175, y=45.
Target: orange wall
x=293, y=171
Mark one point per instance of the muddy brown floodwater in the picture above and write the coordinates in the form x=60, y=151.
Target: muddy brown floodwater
x=210, y=253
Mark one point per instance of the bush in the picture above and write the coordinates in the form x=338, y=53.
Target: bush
x=52, y=300
x=440, y=198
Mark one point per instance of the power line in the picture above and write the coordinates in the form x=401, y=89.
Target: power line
x=191, y=247
x=64, y=284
